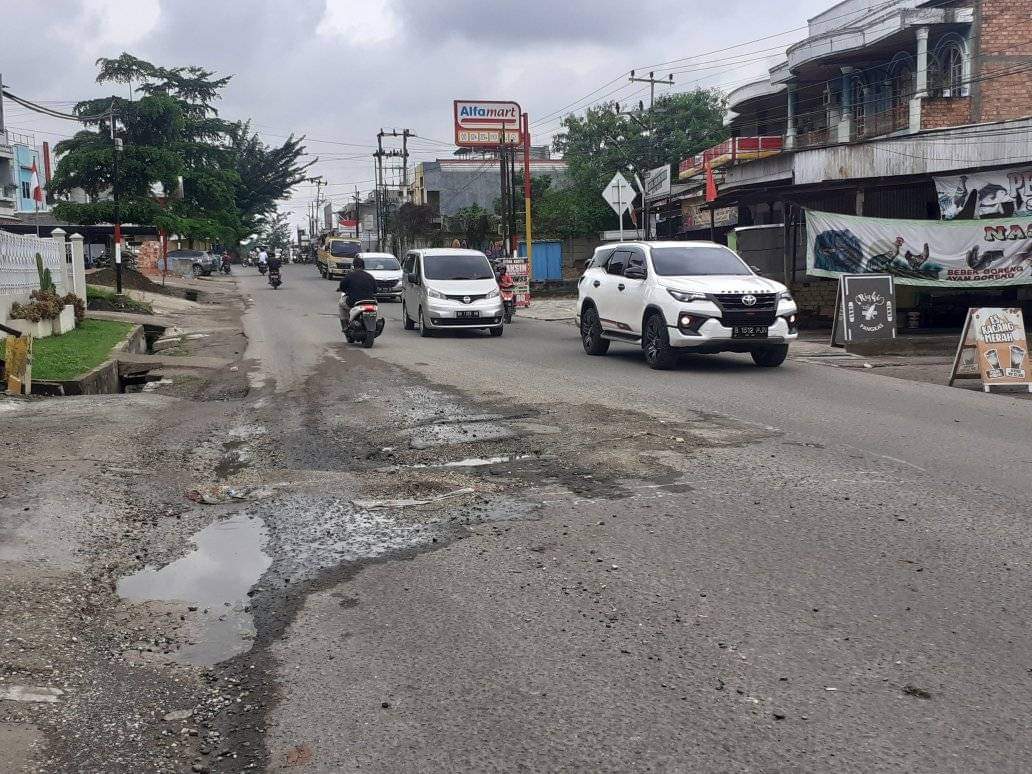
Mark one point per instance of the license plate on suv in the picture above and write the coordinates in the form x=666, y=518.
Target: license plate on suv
x=749, y=332
x=467, y=314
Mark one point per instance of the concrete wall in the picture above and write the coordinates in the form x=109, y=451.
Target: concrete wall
x=19, y=275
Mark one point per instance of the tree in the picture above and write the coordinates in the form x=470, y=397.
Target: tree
x=412, y=221
x=474, y=223
x=602, y=142
x=230, y=180
x=275, y=231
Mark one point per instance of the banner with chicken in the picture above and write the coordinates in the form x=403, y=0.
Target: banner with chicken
x=1002, y=193
x=983, y=253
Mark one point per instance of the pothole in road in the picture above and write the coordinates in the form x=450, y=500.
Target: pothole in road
x=214, y=581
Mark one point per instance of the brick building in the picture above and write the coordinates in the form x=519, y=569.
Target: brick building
x=861, y=116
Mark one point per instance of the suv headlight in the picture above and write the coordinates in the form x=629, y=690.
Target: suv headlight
x=786, y=295
x=434, y=293
x=493, y=293
x=684, y=296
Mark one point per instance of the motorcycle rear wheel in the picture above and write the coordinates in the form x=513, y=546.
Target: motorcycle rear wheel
x=370, y=337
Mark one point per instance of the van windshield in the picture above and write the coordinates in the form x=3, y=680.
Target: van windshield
x=381, y=264
x=697, y=262
x=457, y=267
x=344, y=249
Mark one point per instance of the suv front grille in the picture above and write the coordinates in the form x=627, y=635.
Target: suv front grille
x=471, y=298
x=735, y=312
x=385, y=284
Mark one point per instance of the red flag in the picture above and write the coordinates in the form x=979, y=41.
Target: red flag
x=711, y=183
x=37, y=189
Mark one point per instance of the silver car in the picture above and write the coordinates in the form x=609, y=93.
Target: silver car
x=445, y=289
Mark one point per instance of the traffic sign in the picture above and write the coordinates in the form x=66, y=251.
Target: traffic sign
x=619, y=194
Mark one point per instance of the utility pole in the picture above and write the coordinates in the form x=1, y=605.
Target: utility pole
x=381, y=154
x=652, y=81
x=1, y=103
x=526, y=198
x=504, y=172
x=358, y=213
x=116, y=148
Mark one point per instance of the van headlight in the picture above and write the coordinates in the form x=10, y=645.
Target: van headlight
x=493, y=293
x=685, y=296
x=435, y=293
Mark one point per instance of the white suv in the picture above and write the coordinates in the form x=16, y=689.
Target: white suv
x=671, y=297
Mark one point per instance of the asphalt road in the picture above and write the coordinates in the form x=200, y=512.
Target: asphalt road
x=718, y=568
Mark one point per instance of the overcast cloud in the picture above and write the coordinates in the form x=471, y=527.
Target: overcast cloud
x=338, y=70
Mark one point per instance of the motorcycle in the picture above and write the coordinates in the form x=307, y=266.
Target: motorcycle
x=262, y=268
x=225, y=264
x=274, y=278
x=364, y=322
x=508, y=303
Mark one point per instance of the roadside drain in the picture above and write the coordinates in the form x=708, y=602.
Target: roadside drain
x=214, y=578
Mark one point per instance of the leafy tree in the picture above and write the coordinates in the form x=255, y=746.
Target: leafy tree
x=275, y=231
x=474, y=223
x=230, y=180
x=412, y=221
x=603, y=142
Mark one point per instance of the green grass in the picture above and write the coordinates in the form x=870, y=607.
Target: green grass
x=58, y=358
x=110, y=301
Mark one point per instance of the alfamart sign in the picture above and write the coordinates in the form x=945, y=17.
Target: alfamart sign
x=978, y=253
x=487, y=123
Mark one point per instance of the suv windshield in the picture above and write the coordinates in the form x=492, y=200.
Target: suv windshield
x=381, y=264
x=457, y=267
x=344, y=249
x=697, y=261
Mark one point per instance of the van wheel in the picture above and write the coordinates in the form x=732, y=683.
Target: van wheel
x=770, y=357
x=591, y=333
x=406, y=321
x=425, y=332
x=656, y=344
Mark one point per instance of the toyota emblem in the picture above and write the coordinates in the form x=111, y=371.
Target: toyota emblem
x=466, y=299
x=749, y=300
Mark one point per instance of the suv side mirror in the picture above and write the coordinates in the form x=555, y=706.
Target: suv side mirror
x=413, y=278
x=634, y=272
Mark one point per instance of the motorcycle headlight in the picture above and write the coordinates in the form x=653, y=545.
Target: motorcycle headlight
x=494, y=293
x=684, y=296
x=434, y=293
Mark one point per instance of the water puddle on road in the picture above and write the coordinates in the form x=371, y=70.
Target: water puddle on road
x=228, y=561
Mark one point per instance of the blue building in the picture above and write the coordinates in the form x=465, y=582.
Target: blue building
x=25, y=154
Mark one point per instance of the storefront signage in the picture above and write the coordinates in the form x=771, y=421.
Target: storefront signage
x=994, y=348
x=517, y=269
x=487, y=123
x=927, y=253
x=866, y=308
x=1002, y=193
x=657, y=183
x=695, y=216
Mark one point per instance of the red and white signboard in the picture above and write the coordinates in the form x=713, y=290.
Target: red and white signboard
x=483, y=123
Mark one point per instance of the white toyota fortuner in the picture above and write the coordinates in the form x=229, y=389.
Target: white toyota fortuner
x=671, y=297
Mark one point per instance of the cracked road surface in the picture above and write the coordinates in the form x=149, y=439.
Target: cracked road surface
x=477, y=554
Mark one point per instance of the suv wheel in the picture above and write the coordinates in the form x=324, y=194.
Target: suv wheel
x=655, y=341
x=197, y=270
x=591, y=332
x=770, y=357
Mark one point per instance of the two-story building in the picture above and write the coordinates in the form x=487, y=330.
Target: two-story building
x=875, y=103
x=8, y=190
x=25, y=155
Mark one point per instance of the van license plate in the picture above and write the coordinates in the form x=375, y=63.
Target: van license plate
x=749, y=332
x=471, y=313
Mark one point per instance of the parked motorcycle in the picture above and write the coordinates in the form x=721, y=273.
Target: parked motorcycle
x=364, y=322
x=225, y=264
x=508, y=303
x=274, y=278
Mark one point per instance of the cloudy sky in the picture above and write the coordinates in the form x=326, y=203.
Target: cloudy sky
x=339, y=70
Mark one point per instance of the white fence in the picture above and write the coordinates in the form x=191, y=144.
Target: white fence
x=19, y=275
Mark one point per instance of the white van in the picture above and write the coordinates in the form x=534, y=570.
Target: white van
x=448, y=288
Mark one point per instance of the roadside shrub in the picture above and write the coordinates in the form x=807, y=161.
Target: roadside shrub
x=30, y=312
x=78, y=304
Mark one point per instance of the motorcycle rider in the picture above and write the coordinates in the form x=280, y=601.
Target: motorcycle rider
x=263, y=258
x=505, y=280
x=357, y=285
